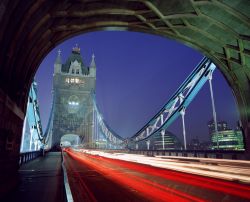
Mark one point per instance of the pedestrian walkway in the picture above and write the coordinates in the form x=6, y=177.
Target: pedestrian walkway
x=40, y=180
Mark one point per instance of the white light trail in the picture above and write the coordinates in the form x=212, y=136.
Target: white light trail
x=232, y=170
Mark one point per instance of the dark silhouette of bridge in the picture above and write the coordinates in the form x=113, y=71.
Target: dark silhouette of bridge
x=219, y=29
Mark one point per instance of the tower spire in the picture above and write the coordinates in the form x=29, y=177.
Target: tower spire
x=76, y=49
x=92, y=64
x=58, y=62
x=58, y=58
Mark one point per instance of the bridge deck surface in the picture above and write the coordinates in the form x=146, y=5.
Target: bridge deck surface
x=40, y=180
x=93, y=177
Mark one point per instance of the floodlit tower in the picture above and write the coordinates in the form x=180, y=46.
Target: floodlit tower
x=73, y=85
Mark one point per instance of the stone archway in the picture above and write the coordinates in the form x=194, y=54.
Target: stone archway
x=220, y=29
x=72, y=139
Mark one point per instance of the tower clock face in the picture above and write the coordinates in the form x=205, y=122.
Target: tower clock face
x=73, y=104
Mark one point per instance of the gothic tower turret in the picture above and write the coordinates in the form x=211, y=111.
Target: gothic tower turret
x=92, y=67
x=58, y=63
x=73, y=85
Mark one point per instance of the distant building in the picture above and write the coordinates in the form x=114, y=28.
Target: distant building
x=226, y=138
x=155, y=142
x=194, y=144
x=170, y=141
x=221, y=126
x=206, y=145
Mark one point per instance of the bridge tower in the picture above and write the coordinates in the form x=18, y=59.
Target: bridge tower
x=73, y=85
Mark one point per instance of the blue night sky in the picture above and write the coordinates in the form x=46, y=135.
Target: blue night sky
x=136, y=74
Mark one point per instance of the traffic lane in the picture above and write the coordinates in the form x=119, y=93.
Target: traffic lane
x=229, y=170
x=133, y=189
x=89, y=185
x=157, y=184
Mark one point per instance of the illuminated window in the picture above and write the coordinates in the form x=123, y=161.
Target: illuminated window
x=73, y=104
x=74, y=80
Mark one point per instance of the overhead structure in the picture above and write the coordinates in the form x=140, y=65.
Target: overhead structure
x=177, y=104
x=173, y=108
x=220, y=29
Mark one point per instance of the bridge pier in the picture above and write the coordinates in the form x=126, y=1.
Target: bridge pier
x=246, y=131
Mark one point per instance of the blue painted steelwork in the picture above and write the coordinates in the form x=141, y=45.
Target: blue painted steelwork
x=168, y=113
x=180, y=100
x=113, y=138
x=49, y=129
x=32, y=136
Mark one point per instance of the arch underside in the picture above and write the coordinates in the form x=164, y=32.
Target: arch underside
x=220, y=29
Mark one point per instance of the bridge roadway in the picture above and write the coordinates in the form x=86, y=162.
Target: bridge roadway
x=96, y=176
x=41, y=180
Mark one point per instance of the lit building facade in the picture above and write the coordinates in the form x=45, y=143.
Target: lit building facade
x=228, y=140
x=221, y=126
x=170, y=141
x=73, y=86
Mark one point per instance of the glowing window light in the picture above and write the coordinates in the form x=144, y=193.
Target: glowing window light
x=73, y=103
x=73, y=80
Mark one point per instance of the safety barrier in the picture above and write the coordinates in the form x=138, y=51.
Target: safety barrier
x=28, y=156
x=191, y=153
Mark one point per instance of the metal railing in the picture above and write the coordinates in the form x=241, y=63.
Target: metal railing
x=28, y=156
x=227, y=154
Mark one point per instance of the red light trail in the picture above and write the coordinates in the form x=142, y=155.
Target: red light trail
x=156, y=184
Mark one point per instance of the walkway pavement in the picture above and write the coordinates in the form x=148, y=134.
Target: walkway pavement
x=40, y=180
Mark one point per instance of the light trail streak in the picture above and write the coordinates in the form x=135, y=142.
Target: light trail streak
x=85, y=192
x=240, y=190
x=215, y=168
x=153, y=191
